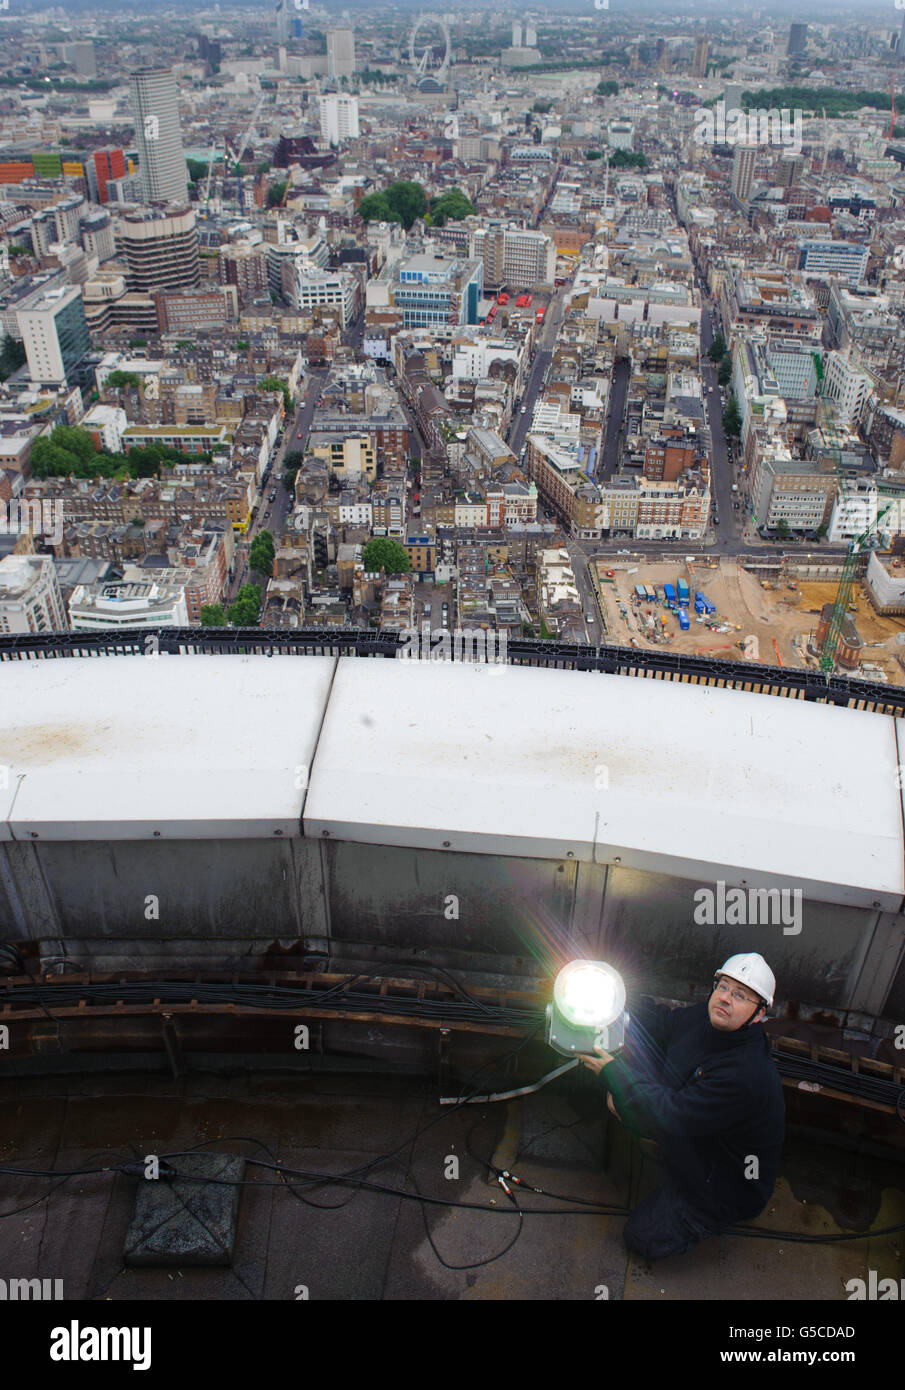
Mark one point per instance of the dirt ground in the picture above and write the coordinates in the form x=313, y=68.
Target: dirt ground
x=777, y=614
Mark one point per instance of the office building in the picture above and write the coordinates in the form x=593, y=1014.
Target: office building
x=843, y=258
x=106, y=164
x=54, y=334
x=339, y=118
x=517, y=256
x=30, y=599
x=744, y=161
x=160, y=250
x=155, y=109
x=94, y=608
x=97, y=236
x=340, y=53
x=81, y=57
x=798, y=40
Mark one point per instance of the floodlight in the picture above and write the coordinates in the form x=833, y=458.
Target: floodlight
x=588, y=1008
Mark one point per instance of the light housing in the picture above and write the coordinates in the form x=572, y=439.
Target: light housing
x=588, y=1008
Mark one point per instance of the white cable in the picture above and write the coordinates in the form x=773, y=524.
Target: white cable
x=512, y=1095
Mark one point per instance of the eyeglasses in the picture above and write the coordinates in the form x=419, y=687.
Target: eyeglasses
x=720, y=987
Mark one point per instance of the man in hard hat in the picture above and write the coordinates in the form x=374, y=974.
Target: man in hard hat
x=701, y=1081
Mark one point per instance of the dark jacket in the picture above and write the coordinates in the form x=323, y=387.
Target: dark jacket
x=712, y=1100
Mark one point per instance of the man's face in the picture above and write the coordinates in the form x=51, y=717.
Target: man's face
x=732, y=1005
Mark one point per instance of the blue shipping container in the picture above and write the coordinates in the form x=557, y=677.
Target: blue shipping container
x=684, y=622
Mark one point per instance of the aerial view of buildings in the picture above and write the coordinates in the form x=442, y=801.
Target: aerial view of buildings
x=534, y=342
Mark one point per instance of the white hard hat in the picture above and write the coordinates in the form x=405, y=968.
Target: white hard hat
x=751, y=970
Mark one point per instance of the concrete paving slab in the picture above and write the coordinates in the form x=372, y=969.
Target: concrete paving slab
x=185, y=1222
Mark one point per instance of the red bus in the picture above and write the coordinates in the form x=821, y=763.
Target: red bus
x=502, y=299
x=540, y=315
x=490, y=316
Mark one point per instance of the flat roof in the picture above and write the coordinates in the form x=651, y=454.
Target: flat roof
x=701, y=783
x=685, y=781
x=143, y=747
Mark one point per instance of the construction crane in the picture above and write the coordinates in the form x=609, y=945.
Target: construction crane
x=856, y=547
x=892, y=100
x=207, y=183
x=243, y=145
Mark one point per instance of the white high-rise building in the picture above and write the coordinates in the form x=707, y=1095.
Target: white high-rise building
x=30, y=598
x=54, y=334
x=530, y=34
x=155, y=107
x=743, y=163
x=340, y=52
x=516, y=33
x=339, y=118
x=849, y=387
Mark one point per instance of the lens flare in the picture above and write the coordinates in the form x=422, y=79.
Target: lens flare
x=589, y=994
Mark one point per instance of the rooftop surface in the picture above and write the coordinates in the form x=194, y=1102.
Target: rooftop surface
x=343, y=1243
x=661, y=776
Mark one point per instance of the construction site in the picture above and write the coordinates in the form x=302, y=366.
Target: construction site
x=769, y=613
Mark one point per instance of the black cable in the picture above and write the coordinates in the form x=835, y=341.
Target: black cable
x=473, y=1264
x=380, y=1159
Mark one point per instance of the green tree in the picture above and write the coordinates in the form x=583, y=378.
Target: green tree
x=212, y=615
x=261, y=553
x=275, y=193
x=782, y=528
x=732, y=424
x=451, y=206
x=375, y=208
x=118, y=380
x=408, y=199
x=593, y=154
x=50, y=461
x=607, y=89
x=74, y=441
x=382, y=553
x=260, y=560
x=247, y=607
x=717, y=348
x=628, y=159
x=197, y=169
x=265, y=167
x=276, y=383
x=724, y=374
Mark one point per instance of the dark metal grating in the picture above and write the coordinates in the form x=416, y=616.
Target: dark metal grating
x=812, y=685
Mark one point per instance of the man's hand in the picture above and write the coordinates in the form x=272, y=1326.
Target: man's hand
x=597, y=1064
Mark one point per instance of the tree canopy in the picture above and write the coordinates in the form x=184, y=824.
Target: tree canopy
x=247, y=607
x=382, y=553
x=403, y=201
x=450, y=206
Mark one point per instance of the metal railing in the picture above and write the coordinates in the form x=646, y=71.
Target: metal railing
x=811, y=685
